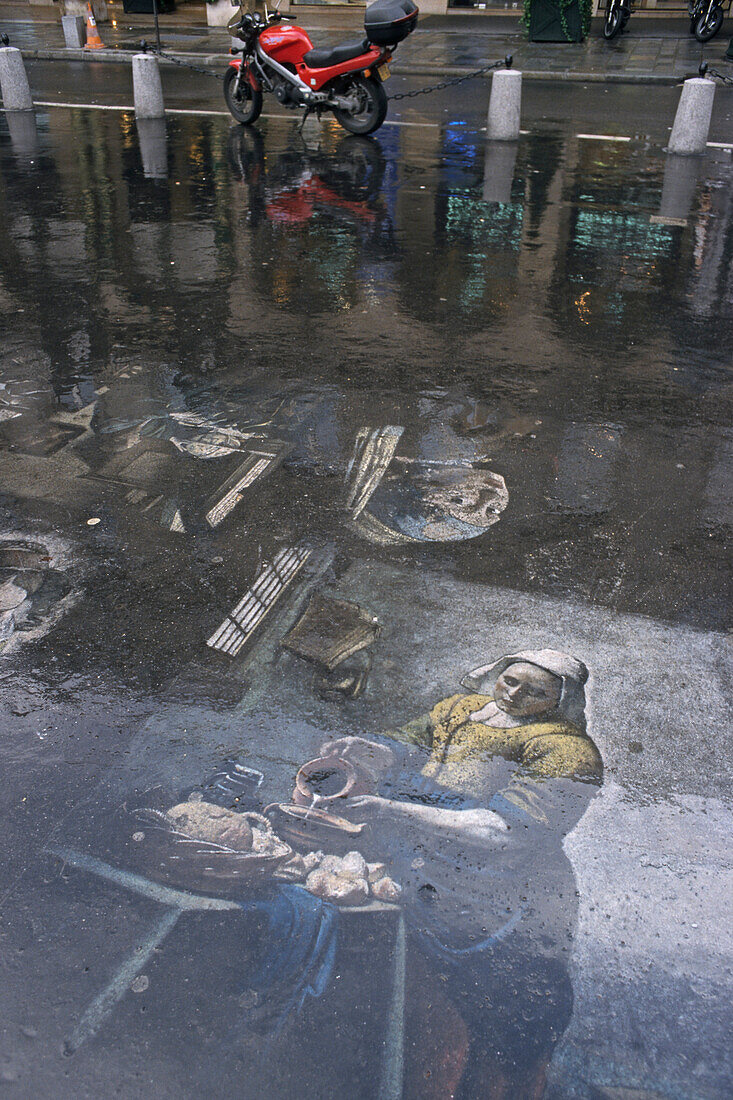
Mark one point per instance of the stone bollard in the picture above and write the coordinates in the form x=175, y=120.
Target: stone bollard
x=75, y=31
x=499, y=163
x=79, y=7
x=153, y=138
x=13, y=81
x=692, y=121
x=505, y=106
x=146, y=87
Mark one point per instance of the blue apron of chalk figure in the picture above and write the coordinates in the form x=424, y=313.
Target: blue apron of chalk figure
x=296, y=950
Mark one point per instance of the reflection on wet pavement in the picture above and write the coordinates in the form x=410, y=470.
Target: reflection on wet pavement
x=362, y=575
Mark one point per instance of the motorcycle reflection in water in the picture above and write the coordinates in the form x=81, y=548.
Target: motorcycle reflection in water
x=304, y=184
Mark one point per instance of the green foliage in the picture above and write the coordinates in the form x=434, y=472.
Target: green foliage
x=586, y=11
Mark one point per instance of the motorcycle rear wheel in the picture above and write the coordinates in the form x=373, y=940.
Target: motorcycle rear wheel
x=612, y=25
x=246, y=104
x=372, y=109
x=708, y=25
x=357, y=169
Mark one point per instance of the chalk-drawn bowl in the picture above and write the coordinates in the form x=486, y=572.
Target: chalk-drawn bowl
x=307, y=829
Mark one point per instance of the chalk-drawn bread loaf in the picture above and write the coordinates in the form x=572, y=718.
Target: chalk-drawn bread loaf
x=212, y=823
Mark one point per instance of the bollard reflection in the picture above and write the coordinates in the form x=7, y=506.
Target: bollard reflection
x=23, y=135
x=499, y=163
x=153, y=147
x=678, y=190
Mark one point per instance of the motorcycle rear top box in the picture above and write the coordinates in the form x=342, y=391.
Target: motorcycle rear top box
x=388, y=22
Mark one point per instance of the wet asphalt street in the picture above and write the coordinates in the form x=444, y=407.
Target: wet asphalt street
x=481, y=396
x=630, y=110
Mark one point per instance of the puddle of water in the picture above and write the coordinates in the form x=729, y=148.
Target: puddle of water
x=482, y=396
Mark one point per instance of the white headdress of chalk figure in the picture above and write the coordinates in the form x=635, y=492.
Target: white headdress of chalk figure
x=572, y=673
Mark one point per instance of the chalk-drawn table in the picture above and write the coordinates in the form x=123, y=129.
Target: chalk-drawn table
x=176, y=903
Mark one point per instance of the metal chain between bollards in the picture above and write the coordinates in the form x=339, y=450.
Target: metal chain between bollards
x=705, y=70
x=507, y=62
x=178, y=61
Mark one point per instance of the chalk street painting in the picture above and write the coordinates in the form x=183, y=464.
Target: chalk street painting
x=363, y=517
x=392, y=500
x=444, y=834
x=35, y=590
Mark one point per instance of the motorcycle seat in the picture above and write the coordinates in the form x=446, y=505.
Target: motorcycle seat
x=335, y=55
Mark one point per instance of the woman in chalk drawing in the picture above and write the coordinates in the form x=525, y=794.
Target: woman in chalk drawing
x=506, y=769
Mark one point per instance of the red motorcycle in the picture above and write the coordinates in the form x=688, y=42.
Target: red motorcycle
x=346, y=79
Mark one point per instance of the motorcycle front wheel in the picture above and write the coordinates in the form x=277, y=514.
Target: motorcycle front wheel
x=372, y=104
x=246, y=103
x=612, y=25
x=709, y=24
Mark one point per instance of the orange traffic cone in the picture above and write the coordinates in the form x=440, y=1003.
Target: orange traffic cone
x=94, y=42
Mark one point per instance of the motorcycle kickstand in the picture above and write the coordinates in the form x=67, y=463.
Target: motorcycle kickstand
x=308, y=111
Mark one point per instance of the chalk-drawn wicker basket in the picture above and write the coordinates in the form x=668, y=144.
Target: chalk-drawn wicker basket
x=171, y=856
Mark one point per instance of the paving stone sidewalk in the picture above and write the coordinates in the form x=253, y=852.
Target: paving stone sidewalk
x=652, y=51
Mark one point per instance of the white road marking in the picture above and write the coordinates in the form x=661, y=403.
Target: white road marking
x=196, y=111
x=602, y=137
x=426, y=125
x=225, y=114
x=202, y=112
x=87, y=106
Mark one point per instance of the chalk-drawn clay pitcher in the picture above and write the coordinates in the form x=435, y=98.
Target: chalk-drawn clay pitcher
x=327, y=779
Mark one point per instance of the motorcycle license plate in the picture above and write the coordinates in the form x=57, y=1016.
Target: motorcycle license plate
x=383, y=71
